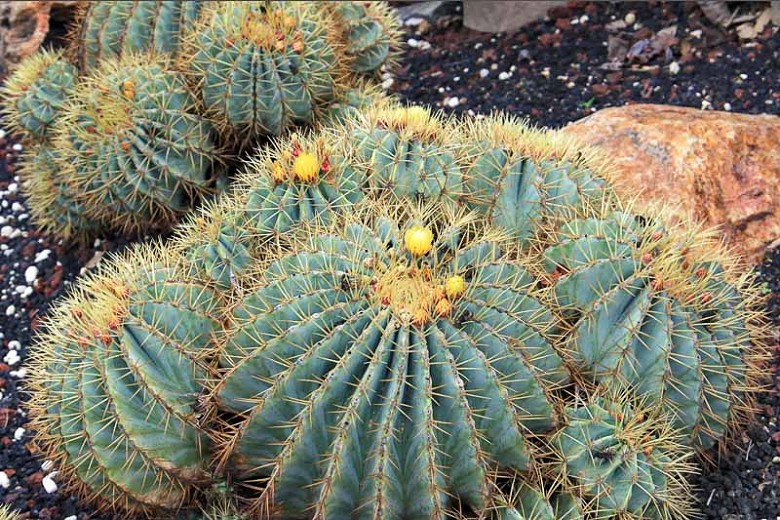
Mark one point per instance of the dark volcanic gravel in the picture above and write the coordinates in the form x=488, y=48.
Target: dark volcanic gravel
x=550, y=72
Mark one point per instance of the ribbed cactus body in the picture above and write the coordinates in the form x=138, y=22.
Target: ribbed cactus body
x=35, y=93
x=641, y=323
x=407, y=151
x=368, y=391
x=623, y=466
x=370, y=32
x=119, y=379
x=113, y=28
x=138, y=150
x=261, y=71
x=51, y=197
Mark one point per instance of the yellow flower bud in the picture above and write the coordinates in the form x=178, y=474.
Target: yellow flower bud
x=455, y=286
x=418, y=240
x=306, y=167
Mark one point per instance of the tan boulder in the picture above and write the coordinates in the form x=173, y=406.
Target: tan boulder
x=722, y=169
x=23, y=27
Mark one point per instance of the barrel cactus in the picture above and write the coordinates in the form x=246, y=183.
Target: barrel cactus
x=133, y=146
x=645, y=314
x=34, y=94
x=386, y=366
x=119, y=375
x=625, y=464
x=263, y=67
x=523, y=501
x=110, y=29
x=370, y=32
x=54, y=207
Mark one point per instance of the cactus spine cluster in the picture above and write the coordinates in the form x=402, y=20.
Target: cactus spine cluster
x=33, y=96
x=407, y=317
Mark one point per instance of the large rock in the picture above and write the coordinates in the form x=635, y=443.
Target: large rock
x=721, y=168
x=23, y=27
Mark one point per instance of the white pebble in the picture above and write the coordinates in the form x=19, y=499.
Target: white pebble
x=743, y=76
x=17, y=147
x=452, y=102
x=19, y=374
x=12, y=358
x=14, y=345
x=30, y=274
x=483, y=73
x=6, y=231
x=19, y=434
x=5, y=482
x=674, y=68
x=2, y=133
x=42, y=255
x=727, y=107
x=414, y=20
x=48, y=484
x=13, y=187
x=16, y=207
x=504, y=75
x=630, y=19
x=10, y=310
x=706, y=105
x=411, y=42
x=72, y=517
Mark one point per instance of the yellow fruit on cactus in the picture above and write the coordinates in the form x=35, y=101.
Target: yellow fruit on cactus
x=306, y=167
x=418, y=240
x=455, y=286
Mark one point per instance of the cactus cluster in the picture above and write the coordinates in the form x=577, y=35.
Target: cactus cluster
x=404, y=316
x=159, y=96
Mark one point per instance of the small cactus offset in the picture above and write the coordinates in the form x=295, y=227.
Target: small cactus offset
x=387, y=366
x=53, y=204
x=110, y=29
x=34, y=94
x=133, y=146
x=646, y=315
x=625, y=465
x=263, y=67
x=118, y=376
x=370, y=31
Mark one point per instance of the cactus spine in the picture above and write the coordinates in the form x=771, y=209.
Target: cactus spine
x=35, y=93
x=110, y=29
x=133, y=144
x=119, y=373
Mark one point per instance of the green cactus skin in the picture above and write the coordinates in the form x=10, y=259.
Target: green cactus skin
x=351, y=102
x=625, y=467
x=119, y=371
x=336, y=354
x=53, y=207
x=34, y=94
x=135, y=146
x=497, y=166
x=527, y=503
x=682, y=347
x=110, y=29
x=262, y=71
x=371, y=31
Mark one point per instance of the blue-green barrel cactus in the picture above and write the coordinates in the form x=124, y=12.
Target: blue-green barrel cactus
x=625, y=464
x=263, y=67
x=119, y=375
x=377, y=371
x=132, y=140
x=645, y=314
x=524, y=502
x=51, y=198
x=34, y=93
x=371, y=33
x=110, y=29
